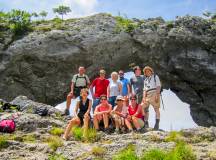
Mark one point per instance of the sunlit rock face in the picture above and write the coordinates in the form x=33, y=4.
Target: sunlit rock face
x=183, y=53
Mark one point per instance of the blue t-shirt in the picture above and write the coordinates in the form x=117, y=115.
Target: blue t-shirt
x=124, y=82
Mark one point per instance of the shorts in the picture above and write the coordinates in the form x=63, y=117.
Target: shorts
x=119, y=119
x=141, y=122
x=150, y=99
x=81, y=117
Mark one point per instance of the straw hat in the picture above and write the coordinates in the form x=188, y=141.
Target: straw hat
x=148, y=68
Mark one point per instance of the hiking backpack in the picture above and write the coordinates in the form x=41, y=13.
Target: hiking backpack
x=7, y=125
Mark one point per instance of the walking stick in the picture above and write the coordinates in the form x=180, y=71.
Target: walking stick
x=162, y=101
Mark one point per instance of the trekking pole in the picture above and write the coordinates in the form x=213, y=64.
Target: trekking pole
x=162, y=102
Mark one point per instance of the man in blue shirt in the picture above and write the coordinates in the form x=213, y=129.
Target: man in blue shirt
x=125, y=84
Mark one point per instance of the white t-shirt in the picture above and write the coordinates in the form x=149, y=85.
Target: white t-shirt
x=114, y=88
x=80, y=81
x=151, y=82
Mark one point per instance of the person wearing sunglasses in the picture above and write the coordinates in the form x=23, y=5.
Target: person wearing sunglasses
x=100, y=84
x=102, y=113
x=135, y=115
x=83, y=116
x=119, y=113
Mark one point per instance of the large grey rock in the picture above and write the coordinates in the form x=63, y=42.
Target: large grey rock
x=183, y=53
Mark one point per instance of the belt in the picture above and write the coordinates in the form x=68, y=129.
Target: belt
x=151, y=90
x=80, y=87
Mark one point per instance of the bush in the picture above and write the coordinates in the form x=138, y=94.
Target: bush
x=54, y=142
x=98, y=151
x=174, y=136
x=127, y=153
x=19, y=21
x=154, y=154
x=3, y=142
x=56, y=131
x=29, y=138
x=124, y=24
x=77, y=133
x=56, y=157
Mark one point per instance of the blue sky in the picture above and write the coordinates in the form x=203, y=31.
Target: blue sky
x=168, y=9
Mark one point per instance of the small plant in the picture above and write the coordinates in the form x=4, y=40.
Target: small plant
x=127, y=153
x=98, y=151
x=54, y=142
x=56, y=157
x=77, y=133
x=174, y=136
x=62, y=10
x=90, y=135
x=154, y=154
x=29, y=138
x=3, y=142
x=56, y=131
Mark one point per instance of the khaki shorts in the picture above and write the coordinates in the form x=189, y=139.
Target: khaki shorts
x=150, y=99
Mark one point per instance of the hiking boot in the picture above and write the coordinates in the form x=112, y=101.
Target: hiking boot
x=67, y=111
x=146, y=125
x=156, y=126
x=106, y=130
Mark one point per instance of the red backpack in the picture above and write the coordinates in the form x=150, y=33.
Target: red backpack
x=7, y=125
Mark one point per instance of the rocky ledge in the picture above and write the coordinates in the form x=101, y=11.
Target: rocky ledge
x=183, y=52
x=38, y=138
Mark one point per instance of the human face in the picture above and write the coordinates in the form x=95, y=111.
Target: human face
x=81, y=70
x=133, y=101
x=148, y=73
x=102, y=75
x=119, y=102
x=138, y=72
x=114, y=77
x=121, y=74
x=103, y=100
x=84, y=93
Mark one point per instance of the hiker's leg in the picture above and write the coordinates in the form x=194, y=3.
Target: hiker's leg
x=95, y=121
x=73, y=122
x=116, y=119
x=128, y=124
x=86, y=121
x=106, y=120
x=135, y=122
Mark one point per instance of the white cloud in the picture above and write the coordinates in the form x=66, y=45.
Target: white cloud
x=81, y=8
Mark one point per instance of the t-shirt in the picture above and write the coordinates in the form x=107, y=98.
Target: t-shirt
x=151, y=82
x=123, y=110
x=137, y=83
x=132, y=111
x=102, y=108
x=80, y=81
x=125, y=83
x=114, y=88
x=100, y=87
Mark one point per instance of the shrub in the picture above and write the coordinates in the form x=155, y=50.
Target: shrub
x=77, y=133
x=56, y=157
x=56, y=131
x=174, y=136
x=3, y=142
x=124, y=24
x=154, y=154
x=54, y=142
x=29, y=138
x=127, y=153
x=98, y=151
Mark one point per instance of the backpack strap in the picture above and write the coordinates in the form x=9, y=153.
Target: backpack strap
x=77, y=76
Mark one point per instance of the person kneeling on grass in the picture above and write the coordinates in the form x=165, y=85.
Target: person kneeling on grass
x=135, y=116
x=102, y=113
x=83, y=116
x=119, y=113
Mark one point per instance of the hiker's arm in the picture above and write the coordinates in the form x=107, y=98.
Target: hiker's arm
x=120, y=88
x=91, y=89
x=158, y=88
x=108, y=91
x=129, y=89
x=72, y=87
x=76, y=108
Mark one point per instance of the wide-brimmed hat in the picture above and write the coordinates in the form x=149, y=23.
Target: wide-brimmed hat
x=120, y=98
x=148, y=68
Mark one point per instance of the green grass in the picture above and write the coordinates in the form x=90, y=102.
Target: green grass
x=154, y=154
x=56, y=157
x=3, y=142
x=98, y=151
x=56, y=131
x=174, y=136
x=54, y=142
x=29, y=138
x=90, y=135
x=127, y=153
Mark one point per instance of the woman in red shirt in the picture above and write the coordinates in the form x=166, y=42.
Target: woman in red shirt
x=135, y=115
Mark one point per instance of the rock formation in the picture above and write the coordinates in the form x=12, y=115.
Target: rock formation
x=41, y=64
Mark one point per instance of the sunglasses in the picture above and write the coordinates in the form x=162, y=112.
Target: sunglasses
x=103, y=99
x=118, y=100
x=133, y=99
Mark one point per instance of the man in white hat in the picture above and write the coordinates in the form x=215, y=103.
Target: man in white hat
x=151, y=93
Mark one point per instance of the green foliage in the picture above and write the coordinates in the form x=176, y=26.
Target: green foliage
x=127, y=153
x=98, y=151
x=169, y=24
x=43, y=14
x=154, y=154
x=29, y=138
x=54, y=142
x=56, y=157
x=43, y=28
x=19, y=21
x=174, y=136
x=62, y=10
x=2, y=17
x=3, y=142
x=124, y=24
x=89, y=135
x=56, y=131
x=34, y=14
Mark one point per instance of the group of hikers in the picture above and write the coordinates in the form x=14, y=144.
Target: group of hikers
x=118, y=101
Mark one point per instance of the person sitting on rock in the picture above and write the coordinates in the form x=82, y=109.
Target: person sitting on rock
x=135, y=115
x=119, y=113
x=102, y=113
x=78, y=82
x=83, y=116
x=151, y=93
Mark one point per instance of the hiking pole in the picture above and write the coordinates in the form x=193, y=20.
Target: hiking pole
x=162, y=102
